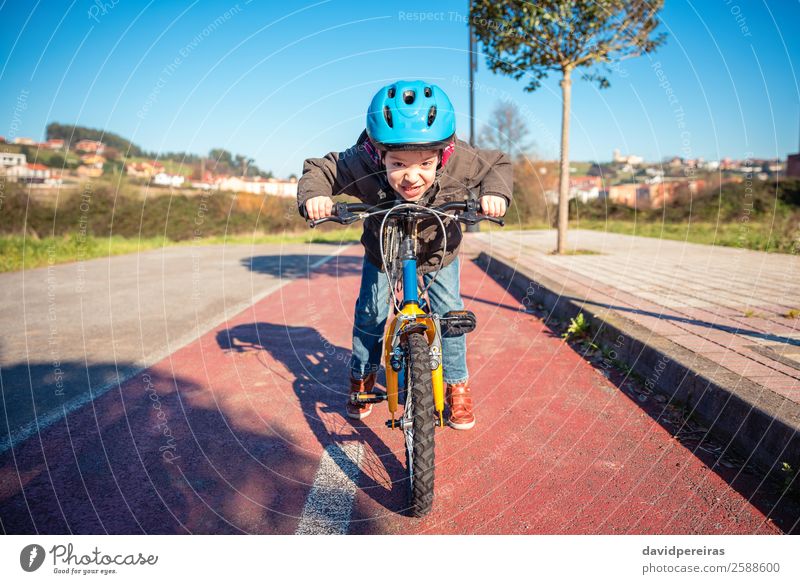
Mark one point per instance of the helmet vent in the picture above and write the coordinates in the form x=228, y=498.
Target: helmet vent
x=409, y=96
x=428, y=92
x=431, y=115
x=391, y=92
x=387, y=113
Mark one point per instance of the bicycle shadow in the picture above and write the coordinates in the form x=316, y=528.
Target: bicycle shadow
x=319, y=371
x=158, y=454
x=293, y=266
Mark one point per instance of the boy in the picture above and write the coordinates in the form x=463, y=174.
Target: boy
x=408, y=152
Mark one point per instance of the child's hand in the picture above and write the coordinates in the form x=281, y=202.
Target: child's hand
x=319, y=207
x=493, y=206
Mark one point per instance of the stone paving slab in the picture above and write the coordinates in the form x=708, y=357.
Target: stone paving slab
x=729, y=307
x=660, y=284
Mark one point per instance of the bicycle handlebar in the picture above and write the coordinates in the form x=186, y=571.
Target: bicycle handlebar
x=347, y=213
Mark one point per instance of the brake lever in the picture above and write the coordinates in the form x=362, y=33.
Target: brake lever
x=472, y=218
x=314, y=222
x=340, y=215
x=499, y=220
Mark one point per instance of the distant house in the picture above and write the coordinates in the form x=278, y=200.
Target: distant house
x=774, y=166
x=628, y=194
x=93, y=160
x=653, y=195
x=12, y=159
x=281, y=188
x=630, y=159
x=147, y=169
x=54, y=144
x=25, y=141
x=258, y=186
x=89, y=171
x=28, y=173
x=168, y=180
x=90, y=146
x=793, y=165
x=583, y=188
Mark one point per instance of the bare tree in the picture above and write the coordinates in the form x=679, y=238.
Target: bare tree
x=506, y=130
x=531, y=39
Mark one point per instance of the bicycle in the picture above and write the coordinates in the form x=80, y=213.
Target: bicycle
x=413, y=337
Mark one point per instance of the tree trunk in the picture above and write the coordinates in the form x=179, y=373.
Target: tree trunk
x=563, y=181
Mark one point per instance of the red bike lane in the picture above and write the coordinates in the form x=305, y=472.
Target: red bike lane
x=238, y=433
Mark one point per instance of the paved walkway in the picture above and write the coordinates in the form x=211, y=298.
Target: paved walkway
x=732, y=306
x=243, y=431
x=73, y=331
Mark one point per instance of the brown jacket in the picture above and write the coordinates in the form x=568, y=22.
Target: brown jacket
x=354, y=172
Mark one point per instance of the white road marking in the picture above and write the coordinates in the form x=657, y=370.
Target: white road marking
x=46, y=420
x=330, y=502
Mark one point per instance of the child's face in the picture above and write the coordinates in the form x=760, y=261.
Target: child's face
x=412, y=172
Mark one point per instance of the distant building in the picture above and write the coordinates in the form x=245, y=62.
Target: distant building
x=25, y=141
x=632, y=159
x=628, y=194
x=144, y=169
x=90, y=146
x=93, y=160
x=89, y=171
x=653, y=195
x=12, y=159
x=54, y=144
x=28, y=173
x=168, y=180
x=793, y=165
x=281, y=188
x=583, y=188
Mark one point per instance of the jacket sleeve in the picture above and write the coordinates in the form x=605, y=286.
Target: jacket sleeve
x=328, y=176
x=497, y=174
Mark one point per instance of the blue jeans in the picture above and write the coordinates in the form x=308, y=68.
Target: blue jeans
x=372, y=311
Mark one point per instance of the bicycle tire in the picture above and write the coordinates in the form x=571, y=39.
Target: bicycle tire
x=420, y=387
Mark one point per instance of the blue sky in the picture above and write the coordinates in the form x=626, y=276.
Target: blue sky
x=282, y=81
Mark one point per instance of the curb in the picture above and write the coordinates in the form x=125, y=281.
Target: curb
x=755, y=422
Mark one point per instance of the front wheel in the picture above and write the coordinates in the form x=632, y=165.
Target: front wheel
x=419, y=425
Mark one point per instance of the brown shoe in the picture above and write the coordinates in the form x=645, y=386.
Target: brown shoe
x=460, y=402
x=359, y=411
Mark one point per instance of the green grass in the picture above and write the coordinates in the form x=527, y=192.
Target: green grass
x=170, y=166
x=43, y=156
x=343, y=235
x=17, y=252
x=756, y=235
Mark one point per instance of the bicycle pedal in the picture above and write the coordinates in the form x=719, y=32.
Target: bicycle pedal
x=368, y=398
x=457, y=322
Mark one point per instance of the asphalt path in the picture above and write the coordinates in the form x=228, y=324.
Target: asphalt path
x=73, y=331
x=242, y=430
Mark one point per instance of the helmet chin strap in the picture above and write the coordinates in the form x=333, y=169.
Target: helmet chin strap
x=373, y=152
x=445, y=154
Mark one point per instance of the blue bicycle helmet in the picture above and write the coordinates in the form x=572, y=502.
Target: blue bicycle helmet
x=411, y=115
